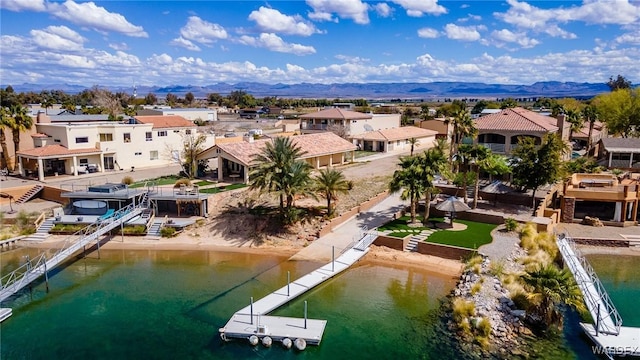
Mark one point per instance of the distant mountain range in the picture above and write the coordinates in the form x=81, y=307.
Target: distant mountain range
x=381, y=91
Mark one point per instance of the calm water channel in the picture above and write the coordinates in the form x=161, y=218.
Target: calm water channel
x=170, y=304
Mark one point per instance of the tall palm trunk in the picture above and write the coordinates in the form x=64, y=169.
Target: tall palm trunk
x=427, y=208
x=16, y=140
x=476, y=187
x=591, y=123
x=5, y=150
x=464, y=184
x=413, y=208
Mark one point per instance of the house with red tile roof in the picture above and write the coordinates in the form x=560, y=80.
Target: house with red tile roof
x=73, y=146
x=346, y=123
x=500, y=131
x=396, y=139
x=321, y=150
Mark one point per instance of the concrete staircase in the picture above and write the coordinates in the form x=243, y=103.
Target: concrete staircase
x=29, y=194
x=412, y=245
x=154, y=230
x=42, y=233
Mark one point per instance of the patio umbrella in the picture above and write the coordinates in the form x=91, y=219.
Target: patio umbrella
x=497, y=187
x=452, y=205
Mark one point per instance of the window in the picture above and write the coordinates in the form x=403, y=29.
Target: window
x=188, y=131
x=149, y=136
x=138, y=153
x=56, y=140
x=176, y=131
x=162, y=133
x=84, y=162
x=106, y=137
x=81, y=140
x=153, y=155
x=127, y=137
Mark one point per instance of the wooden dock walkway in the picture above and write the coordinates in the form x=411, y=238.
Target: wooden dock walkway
x=251, y=320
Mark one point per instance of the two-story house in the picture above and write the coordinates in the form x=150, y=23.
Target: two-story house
x=75, y=144
x=346, y=123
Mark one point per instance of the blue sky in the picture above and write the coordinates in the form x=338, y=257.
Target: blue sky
x=113, y=43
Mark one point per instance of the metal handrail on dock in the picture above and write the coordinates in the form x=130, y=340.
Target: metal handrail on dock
x=34, y=268
x=606, y=316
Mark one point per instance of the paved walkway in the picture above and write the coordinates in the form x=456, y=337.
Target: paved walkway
x=341, y=237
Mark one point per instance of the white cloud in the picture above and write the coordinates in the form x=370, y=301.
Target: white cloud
x=275, y=43
x=470, y=17
x=355, y=10
x=95, y=17
x=418, y=8
x=162, y=59
x=428, y=33
x=352, y=59
x=23, y=5
x=119, y=46
x=59, y=38
x=271, y=20
x=184, y=43
x=462, y=33
x=202, y=31
x=632, y=37
x=383, y=9
x=508, y=36
x=524, y=15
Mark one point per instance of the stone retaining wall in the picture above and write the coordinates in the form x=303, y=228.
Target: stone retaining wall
x=426, y=248
x=344, y=217
x=601, y=242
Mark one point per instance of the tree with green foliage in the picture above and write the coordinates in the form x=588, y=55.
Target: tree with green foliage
x=151, y=99
x=620, y=111
x=461, y=160
x=279, y=170
x=618, y=83
x=508, y=103
x=20, y=121
x=582, y=165
x=574, y=117
x=413, y=142
x=432, y=162
x=192, y=146
x=478, y=157
x=408, y=181
x=537, y=165
x=329, y=183
x=548, y=289
x=463, y=126
x=188, y=98
x=5, y=123
x=590, y=115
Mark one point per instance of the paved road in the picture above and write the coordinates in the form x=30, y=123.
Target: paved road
x=341, y=237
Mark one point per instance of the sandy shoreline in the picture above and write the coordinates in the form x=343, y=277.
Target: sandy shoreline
x=377, y=254
x=607, y=250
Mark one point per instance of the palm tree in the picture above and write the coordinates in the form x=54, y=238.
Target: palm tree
x=192, y=146
x=478, y=156
x=549, y=288
x=460, y=160
x=463, y=126
x=329, y=183
x=48, y=103
x=273, y=172
x=590, y=114
x=297, y=181
x=408, y=179
x=432, y=162
x=576, y=121
x=22, y=121
x=5, y=122
x=413, y=142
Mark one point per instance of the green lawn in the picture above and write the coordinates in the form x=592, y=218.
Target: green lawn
x=204, y=183
x=164, y=180
x=216, y=190
x=475, y=235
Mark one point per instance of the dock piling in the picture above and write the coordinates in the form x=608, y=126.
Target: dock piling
x=305, y=314
x=288, y=281
x=251, y=310
x=333, y=258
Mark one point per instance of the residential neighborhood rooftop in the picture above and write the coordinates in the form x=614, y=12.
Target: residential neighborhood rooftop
x=336, y=113
x=517, y=119
x=406, y=132
x=165, y=121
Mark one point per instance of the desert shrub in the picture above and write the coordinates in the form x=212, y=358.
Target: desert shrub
x=350, y=184
x=520, y=299
x=547, y=243
x=510, y=224
x=462, y=309
x=127, y=180
x=133, y=230
x=476, y=288
x=539, y=258
x=496, y=268
x=473, y=261
x=528, y=237
x=167, y=232
x=182, y=181
x=484, y=327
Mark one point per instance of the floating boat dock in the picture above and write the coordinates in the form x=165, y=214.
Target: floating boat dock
x=5, y=313
x=251, y=323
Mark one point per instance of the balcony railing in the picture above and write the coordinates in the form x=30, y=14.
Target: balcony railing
x=306, y=126
x=495, y=147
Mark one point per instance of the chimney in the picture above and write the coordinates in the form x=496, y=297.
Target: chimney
x=42, y=118
x=563, y=126
x=248, y=138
